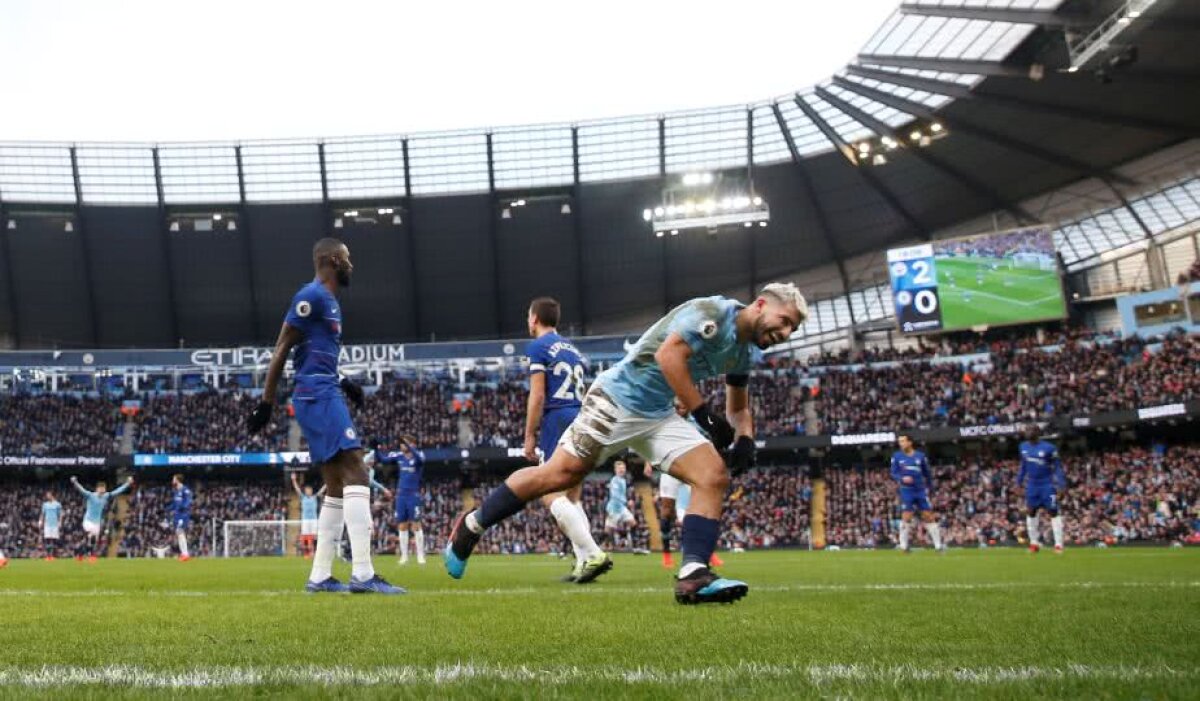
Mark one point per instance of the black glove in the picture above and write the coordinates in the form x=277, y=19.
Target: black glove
x=742, y=457
x=718, y=429
x=353, y=391
x=260, y=417
x=374, y=444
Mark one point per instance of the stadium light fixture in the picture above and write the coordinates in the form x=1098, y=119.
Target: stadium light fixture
x=936, y=127
x=565, y=209
x=397, y=220
x=674, y=232
x=697, y=179
x=12, y=224
x=337, y=223
x=351, y=213
x=658, y=234
x=173, y=227
x=68, y=226
x=915, y=135
x=506, y=213
x=217, y=217
x=647, y=214
x=1103, y=36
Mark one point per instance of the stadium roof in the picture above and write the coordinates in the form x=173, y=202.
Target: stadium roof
x=967, y=106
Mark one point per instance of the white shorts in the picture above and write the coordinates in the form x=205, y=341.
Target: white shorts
x=91, y=528
x=308, y=527
x=668, y=486
x=604, y=429
x=50, y=533
x=619, y=518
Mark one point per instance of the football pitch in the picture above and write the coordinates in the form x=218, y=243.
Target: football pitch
x=973, y=293
x=999, y=623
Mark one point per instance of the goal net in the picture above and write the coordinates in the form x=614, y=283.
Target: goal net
x=260, y=538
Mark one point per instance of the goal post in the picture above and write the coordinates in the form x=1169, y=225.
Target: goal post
x=260, y=538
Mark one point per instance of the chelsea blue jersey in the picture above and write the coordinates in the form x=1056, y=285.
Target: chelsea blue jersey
x=708, y=325
x=181, y=501
x=1040, y=466
x=408, y=470
x=316, y=314
x=564, y=367
x=915, y=466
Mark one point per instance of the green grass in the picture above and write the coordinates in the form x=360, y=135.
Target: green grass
x=1118, y=623
x=1006, y=296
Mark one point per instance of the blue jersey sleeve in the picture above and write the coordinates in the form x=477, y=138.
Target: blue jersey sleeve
x=895, y=469
x=538, y=358
x=307, y=307
x=699, y=323
x=119, y=490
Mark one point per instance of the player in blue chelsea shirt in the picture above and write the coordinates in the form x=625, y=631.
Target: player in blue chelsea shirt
x=556, y=389
x=181, y=514
x=313, y=326
x=1041, y=474
x=410, y=465
x=631, y=405
x=910, y=470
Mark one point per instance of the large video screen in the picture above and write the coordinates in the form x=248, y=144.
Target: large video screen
x=1010, y=277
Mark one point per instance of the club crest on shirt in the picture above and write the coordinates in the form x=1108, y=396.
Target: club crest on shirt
x=708, y=329
x=350, y=432
x=303, y=308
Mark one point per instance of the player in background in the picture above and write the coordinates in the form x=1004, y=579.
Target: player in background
x=910, y=470
x=181, y=514
x=673, y=498
x=313, y=326
x=1041, y=473
x=410, y=466
x=631, y=406
x=309, y=502
x=617, y=515
x=50, y=524
x=93, y=516
x=556, y=390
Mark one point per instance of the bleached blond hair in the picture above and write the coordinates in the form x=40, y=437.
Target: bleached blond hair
x=787, y=293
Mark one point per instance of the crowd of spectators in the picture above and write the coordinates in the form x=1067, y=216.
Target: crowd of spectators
x=58, y=424
x=1127, y=495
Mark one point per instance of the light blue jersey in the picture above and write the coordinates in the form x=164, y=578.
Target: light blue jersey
x=97, y=502
x=617, y=488
x=708, y=326
x=308, y=508
x=51, y=514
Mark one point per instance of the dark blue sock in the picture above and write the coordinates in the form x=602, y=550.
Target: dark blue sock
x=664, y=525
x=699, y=538
x=497, y=506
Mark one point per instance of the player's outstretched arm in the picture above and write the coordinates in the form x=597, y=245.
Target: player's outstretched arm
x=79, y=487
x=533, y=413
x=123, y=488
x=289, y=336
x=296, y=485
x=672, y=357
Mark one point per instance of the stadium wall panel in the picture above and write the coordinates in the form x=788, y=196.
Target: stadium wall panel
x=51, y=281
x=538, y=255
x=281, y=240
x=130, y=282
x=212, y=286
x=379, y=304
x=454, y=266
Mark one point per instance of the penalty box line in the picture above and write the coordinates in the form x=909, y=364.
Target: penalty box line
x=225, y=677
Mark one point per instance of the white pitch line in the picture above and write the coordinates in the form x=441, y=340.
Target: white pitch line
x=218, y=677
x=600, y=589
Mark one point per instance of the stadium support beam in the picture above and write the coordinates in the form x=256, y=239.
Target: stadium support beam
x=1044, y=18
x=244, y=231
x=750, y=241
x=9, y=284
x=662, y=184
x=873, y=181
x=164, y=225
x=967, y=127
x=948, y=65
x=326, y=212
x=493, y=235
x=965, y=179
x=811, y=193
x=962, y=92
x=410, y=232
x=81, y=232
x=577, y=230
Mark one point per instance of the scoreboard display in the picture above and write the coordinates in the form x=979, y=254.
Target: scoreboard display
x=1008, y=277
x=913, y=272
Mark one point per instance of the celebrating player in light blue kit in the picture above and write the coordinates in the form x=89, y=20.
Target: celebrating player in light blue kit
x=410, y=465
x=93, y=516
x=630, y=406
x=181, y=514
x=1040, y=474
x=616, y=510
x=309, y=501
x=313, y=326
x=910, y=469
x=556, y=388
x=50, y=525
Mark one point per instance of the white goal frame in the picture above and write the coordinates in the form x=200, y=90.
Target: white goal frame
x=288, y=529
